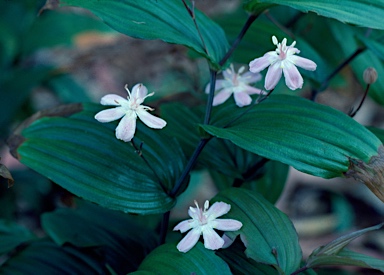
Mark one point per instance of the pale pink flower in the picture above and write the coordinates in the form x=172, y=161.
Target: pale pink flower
x=282, y=60
x=129, y=109
x=236, y=84
x=202, y=223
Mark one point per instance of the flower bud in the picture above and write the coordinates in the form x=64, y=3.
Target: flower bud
x=370, y=75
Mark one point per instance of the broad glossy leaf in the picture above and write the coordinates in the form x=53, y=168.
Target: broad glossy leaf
x=366, y=13
x=313, y=138
x=124, y=241
x=12, y=235
x=239, y=263
x=378, y=132
x=166, y=259
x=267, y=233
x=46, y=257
x=84, y=156
x=232, y=161
x=166, y=20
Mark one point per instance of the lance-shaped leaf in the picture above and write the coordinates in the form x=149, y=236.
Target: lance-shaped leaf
x=335, y=253
x=84, y=156
x=366, y=13
x=168, y=20
x=124, y=242
x=12, y=235
x=313, y=138
x=166, y=259
x=267, y=233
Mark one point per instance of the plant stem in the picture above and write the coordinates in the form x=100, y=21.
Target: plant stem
x=251, y=173
x=191, y=12
x=325, y=83
x=243, y=31
x=140, y=153
x=164, y=227
x=304, y=268
x=353, y=112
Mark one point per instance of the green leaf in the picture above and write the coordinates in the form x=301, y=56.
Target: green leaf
x=313, y=138
x=262, y=223
x=335, y=253
x=337, y=245
x=271, y=182
x=166, y=259
x=46, y=257
x=378, y=132
x=83, y=156
x=366, y=13
x=172, y=20
x=12, y=235
x=232, y=161
x=124, y=241
x=239, y=263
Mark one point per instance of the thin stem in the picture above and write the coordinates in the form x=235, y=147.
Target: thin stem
x=189, y=166
x=353, y=112
x=251, y=173
x=304, y=268
x=164, y=227
x=325, y=83
x=140, y=153
x=212, y=87
x=243, y=31
x=203, y=141
x=277, y=24
x=193, y=16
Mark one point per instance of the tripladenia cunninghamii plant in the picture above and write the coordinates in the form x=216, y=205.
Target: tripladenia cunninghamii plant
x=131, y=170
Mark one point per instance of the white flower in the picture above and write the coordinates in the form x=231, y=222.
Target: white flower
x=236, y=84
x=203, y=222
x=283, y=59
x=129, y=109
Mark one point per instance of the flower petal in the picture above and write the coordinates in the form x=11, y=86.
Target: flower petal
x=222, y=96
x=110, y=114
x=111, y=99
x=292, y=76
x=273, y=76
x=218, y=209
x=303, y=62
x=183, y=226
x=218, y=85
x=250, y=77
x=226, y=224
x=150, y=120
x=127, y=127
x=139, y=92
x=227, y=241
x=259, y=64
x=252, y=90
x=212, y=240
x=189, y=240
x=242, y=99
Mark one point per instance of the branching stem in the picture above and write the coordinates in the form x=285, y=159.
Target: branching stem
x=325, y=83
x=191, y=12
x=141, y=155
x=243, y=31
